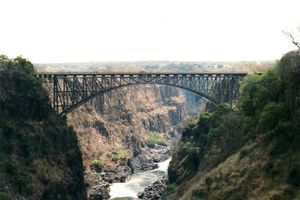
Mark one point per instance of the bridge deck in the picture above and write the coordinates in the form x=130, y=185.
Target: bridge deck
x=138, y=73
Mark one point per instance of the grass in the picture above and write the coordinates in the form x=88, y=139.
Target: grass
x=119, y=156
x=97, y=165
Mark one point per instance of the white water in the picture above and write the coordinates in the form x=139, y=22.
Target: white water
x=138, y=182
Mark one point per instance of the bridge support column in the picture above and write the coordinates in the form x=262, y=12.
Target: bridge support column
x=101, y=103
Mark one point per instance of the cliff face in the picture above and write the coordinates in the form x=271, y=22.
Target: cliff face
x=125, y=120
x=39, y=154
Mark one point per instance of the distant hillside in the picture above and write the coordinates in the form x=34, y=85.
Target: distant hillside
x=157, y=66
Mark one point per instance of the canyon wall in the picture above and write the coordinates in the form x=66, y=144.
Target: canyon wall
x=122, y=120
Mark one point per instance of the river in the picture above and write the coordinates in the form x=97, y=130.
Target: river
x=137, y=183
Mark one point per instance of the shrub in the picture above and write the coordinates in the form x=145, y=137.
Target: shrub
x=248, y=91
x=4, y=196
x=10, y=167
x=200, y=194
x=184, y=147
x=170, y=189
x=243, y=153
x=154, y=138
x=9, y=129
x=119, y=156
x=208, y=181
x=97, y=165
x=294, y=175
x=271, y=115
x=271, y=169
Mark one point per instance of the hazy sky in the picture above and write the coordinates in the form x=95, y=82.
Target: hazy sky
x=130, y=30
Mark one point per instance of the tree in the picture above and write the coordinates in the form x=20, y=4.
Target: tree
x=293, y=39
x=21, y=92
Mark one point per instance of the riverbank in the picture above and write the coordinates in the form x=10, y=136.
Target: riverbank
x=139, y=182
x=134, y=176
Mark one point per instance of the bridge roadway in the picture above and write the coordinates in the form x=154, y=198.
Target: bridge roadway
x=45, y=74
x=72, y=89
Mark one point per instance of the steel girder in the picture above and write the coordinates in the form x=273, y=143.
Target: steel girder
x=72, y=90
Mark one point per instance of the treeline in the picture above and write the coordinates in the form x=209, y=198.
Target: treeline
x=270, y=104
x=39, y=153
x=21, y=92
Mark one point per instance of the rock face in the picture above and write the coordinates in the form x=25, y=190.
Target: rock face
x=98, y=188
x=150, y=156
x=123, y=125
x=125, y=121
x=154, y=191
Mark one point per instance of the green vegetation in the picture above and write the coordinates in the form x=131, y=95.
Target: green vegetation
x=170, y=189
x=21, y=94
x=39, y=153
x=97, y=165
x=154, y=138
x=270, y=104
x=119, y=156
x=4, y=196
x=259, y=142
x=204, y=145
x=294, y=174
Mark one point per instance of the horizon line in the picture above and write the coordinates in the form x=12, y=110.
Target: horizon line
x=171, y=61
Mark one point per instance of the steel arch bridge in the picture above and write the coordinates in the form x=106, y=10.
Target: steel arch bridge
x=70, y=90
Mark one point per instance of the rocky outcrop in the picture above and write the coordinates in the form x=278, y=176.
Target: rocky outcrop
x=154, y=191
x=150, y=156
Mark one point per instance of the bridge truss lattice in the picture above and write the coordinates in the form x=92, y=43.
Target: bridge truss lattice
x=68, y=91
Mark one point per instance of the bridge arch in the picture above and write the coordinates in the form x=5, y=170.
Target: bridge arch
x=82, y=102
x=70, y=91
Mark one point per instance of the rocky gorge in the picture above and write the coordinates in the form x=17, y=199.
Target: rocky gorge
x=127, y=131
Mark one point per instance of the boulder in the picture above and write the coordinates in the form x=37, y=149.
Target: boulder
x=154, y=191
